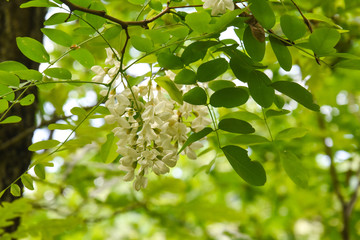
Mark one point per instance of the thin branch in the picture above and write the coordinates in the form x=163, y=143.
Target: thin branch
x=333, y=174
x=124, y=24
x=354, y=196
x=308, y=24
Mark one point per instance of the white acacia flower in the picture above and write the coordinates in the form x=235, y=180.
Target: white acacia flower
x=111, y=58
x=218, y=6
x=129, y=176
x=100, y=74
x=140, y=182
x=170, y=74
x=190, y=150
x=170, y=159
x=114, y=70
x=200, y=123
x=160, y=167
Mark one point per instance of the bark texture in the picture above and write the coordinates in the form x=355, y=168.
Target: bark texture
x=15, y=138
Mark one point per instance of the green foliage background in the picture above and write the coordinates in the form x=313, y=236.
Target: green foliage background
x=83, y=196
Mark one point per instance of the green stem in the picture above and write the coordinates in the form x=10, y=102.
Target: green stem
x=215, y=125
x=267, y=125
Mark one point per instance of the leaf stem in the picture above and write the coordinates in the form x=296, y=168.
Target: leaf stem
x=266, y=124
x=213, y=119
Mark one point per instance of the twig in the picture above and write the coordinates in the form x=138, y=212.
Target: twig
x=308, y=24
x=124, y=24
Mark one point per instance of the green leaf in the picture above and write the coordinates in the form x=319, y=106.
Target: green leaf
x=27, y=100
x=211, y=69
x=58, y=18
x=260, y=89
x=61, y=73
x=297, y=93
x=251, y=171
x=57, y=126
x=112, y=32
x=196, y=137
x=27, y=180
x=11, y=119
x=133, y=81
x=7, y=93
x=291, y=133
x=279, y=101
x=225, y=20
x=84, y=57
x=10, y=66
x=220, y=84
x=32, y=49
x=15, y=190
x=156, y=5
x=349, y=64
x=108, y=150
x=321, y=18
x=9, y=79
x=39, y=170
x=80, y=112
x=137, y=2
x=178, y=31
x=282, y=53
x=263, y=13
x=294, y=169
x=46, y=144
x=158, y=36
x=4, y=105
x=229, y=97
x=323, y=40
x=196, y=51
x=254, y=48
x=142, y=44
x=58, y=36
x=242, y=115
x=198, y=21
x=235, y=125
x=169, y=61
x=196, y=96
x=249, y=139
x=171, y=88
x=185, y=76
x=292, y=27
x=273, y=113
x=29, y=74
x=241, y=65
x=38, y=3
x=96, y=21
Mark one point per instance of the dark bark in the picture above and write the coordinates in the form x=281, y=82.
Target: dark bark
x=15, y=159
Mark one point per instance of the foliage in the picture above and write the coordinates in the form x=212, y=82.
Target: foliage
x=172, y=86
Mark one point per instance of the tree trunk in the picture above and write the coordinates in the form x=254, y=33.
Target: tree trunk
x=15, y=138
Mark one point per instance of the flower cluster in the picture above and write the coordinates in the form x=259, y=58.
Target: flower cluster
x=218, y=6
x=150, y=128
x=150, y=131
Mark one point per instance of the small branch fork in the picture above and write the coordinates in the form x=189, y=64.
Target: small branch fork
x=308, y=24
x=124, y=24
x=347, y=206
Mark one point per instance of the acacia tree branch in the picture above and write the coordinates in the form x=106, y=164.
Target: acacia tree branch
x=308, y=24
x=333, y=174
x=28, y=131
x=347, y=206
x=124, y=24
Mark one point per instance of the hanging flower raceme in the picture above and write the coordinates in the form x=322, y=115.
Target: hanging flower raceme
x=150, y=127
x=218, y=6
